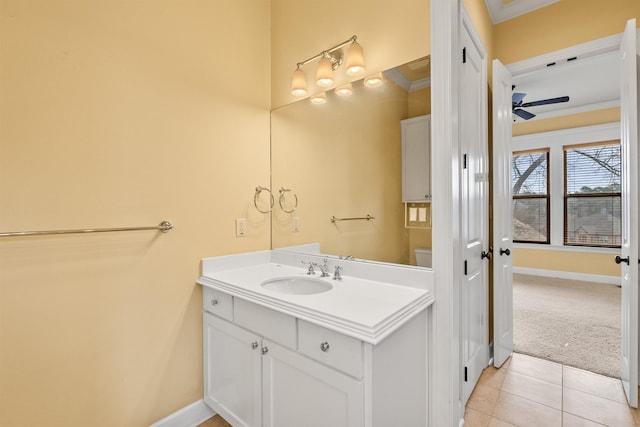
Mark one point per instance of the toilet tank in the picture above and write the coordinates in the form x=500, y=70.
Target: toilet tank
x=423, y=257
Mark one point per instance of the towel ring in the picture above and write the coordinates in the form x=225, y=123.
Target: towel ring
x=282, y=193
x=255, y=199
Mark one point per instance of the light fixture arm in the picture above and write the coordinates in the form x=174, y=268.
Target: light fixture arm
x=328, y=52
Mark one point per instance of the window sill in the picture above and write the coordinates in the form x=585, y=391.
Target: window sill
x=567, y=248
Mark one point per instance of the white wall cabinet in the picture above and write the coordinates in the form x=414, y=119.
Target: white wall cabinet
x=264, y=368
x=416, y=159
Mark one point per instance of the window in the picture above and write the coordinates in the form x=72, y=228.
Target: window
x=592, y=195
x=530, y=181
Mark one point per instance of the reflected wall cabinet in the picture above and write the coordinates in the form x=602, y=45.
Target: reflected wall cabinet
x=416, y=159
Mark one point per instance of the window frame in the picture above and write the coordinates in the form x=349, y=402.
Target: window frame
x=555, y=141
x=568, y=196
x=546, y=196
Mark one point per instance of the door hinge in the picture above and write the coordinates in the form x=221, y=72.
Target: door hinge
x=465, y=374
x=464, y=161
x=464, y=55
x=465, y=267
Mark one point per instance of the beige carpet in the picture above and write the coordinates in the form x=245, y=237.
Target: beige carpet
x=570, y=322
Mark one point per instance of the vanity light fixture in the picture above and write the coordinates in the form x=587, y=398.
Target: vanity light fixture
x=320, y=98
x=330, y=60
x=324, y=76
x=355, y=59
x=344, y=90
x=374, y=80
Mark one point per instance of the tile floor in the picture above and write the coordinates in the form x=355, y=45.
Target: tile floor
x=530, y=392
x=533, y=392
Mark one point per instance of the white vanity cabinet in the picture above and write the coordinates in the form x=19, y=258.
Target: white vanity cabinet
x=298, y=391
x=416, y=159
x=265, y=368
x=232, y=371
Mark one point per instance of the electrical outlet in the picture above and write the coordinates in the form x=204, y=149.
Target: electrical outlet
x=296, y=224
x=241, y=224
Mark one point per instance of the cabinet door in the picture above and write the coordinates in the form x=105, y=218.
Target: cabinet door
x=298, y=391
x=416, y=159
x=232, y=372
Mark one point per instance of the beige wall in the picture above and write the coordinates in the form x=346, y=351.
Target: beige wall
x=122, y=113
x=560, y=25
x=389, y=35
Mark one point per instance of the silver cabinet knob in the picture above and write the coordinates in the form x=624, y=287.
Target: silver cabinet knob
x=254, y=345
x=214, y=302
x=324, y=346
x=265, y=350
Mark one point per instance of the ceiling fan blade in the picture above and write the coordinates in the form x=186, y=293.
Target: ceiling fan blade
x=546, y=101
x=523, y=114
x=517, y=98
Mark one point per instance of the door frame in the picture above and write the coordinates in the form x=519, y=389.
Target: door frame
x=592, y=48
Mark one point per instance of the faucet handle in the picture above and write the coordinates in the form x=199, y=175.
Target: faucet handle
x=336, y=273
x=310, y=271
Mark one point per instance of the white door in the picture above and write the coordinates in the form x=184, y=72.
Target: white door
x=474, y=209
x=298, y=391
x=629, y=257
x=502, y=216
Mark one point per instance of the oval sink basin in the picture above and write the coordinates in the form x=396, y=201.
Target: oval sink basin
x=297, y=285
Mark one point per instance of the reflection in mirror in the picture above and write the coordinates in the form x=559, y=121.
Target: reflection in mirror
x=343, y=159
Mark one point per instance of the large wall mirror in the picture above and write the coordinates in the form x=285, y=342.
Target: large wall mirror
x=343, y=159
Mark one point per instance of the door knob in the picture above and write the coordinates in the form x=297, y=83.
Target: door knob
x=619, y=260
x=487, y=254
x=506, y=252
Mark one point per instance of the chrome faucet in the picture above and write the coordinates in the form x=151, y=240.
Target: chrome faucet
x=324, y=269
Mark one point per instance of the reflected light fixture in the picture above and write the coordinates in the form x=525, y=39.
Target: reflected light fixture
x=344, y=90
x=299, y=83
x=374, y=80
x=320, y=98
x=330, y=60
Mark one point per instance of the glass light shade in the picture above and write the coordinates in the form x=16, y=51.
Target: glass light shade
x=320, y=98
x=374, y=80
x=299, y=83
x=324, y=77
x=355, y=59
x=344, y=90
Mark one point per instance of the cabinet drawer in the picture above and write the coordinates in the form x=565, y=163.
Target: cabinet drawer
x=271, y=324
x=332, y=348
x=218, y=303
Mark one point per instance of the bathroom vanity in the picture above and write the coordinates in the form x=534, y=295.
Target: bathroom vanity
x=283, y=348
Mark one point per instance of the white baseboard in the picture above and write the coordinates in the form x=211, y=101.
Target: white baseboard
x=189, y=416
x=598, y=278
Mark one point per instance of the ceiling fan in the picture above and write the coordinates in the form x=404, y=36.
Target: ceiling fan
x=517, y=104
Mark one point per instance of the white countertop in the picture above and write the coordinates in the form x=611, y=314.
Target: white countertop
x=362, y=308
